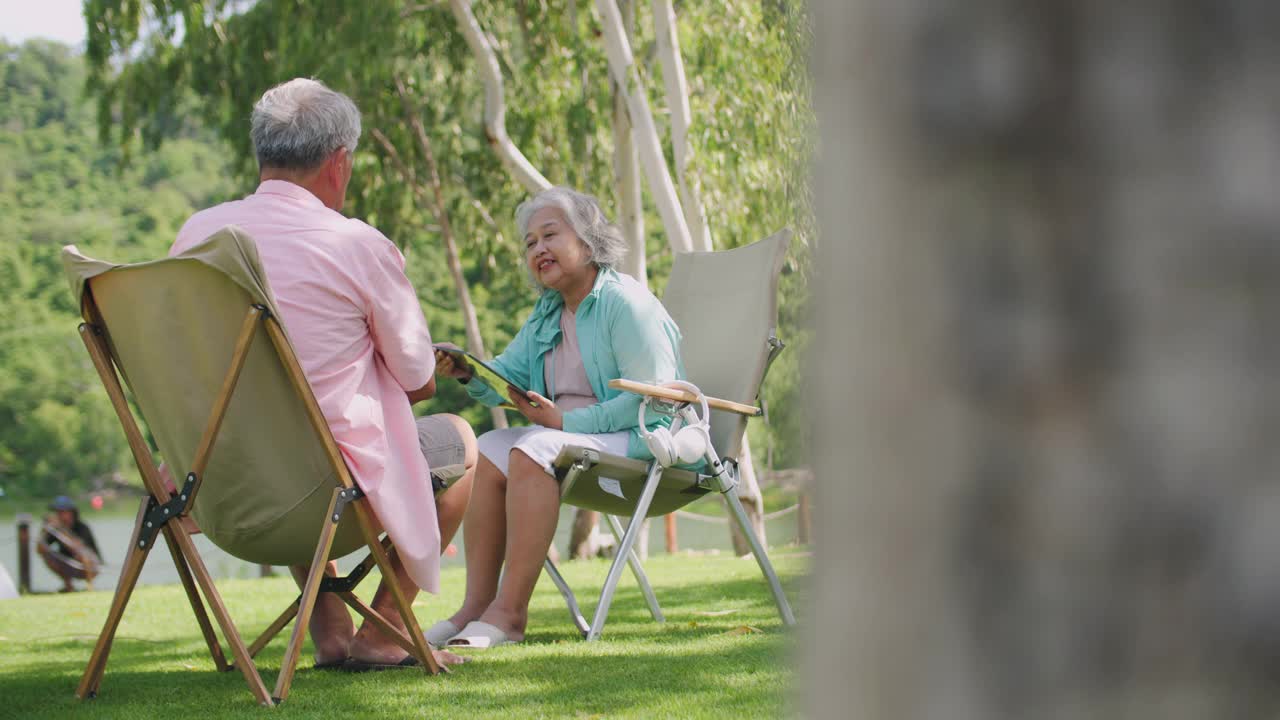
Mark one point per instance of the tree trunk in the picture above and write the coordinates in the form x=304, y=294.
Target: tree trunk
x=626, y=167
x=664, y=19
x=664, y=25
x=1046, y=489
x=495, y=108
x=622, y=70
x=586, y=540
x=630, y=208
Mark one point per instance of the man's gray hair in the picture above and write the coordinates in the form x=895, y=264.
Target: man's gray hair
x=299, y=123
x=583, y=212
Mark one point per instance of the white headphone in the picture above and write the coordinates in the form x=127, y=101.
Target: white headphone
x=682, y=442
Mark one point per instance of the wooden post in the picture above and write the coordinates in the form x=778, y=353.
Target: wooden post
x=24, y=553
x=670, y=520
x=802, y=523
x=584, y=536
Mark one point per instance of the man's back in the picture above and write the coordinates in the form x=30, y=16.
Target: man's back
x=328, y=274
x=357, y=328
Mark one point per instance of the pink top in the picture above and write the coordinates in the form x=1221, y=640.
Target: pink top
x=565, y=376
x=360, y=336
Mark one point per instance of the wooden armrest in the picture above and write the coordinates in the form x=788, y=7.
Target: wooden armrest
x=667, y=393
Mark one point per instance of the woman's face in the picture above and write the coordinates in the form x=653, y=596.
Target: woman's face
x=556, y=256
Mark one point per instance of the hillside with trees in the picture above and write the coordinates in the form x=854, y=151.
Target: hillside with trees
x=59, y=184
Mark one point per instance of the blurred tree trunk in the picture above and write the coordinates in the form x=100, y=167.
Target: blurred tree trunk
x=1049, y=274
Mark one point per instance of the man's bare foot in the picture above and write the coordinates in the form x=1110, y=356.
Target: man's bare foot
x=447, y=659
x=331, y=627
x=331, y=631
x=371, y=646
x=443, y=658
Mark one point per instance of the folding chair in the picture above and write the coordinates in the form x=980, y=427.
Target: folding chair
x=726, y=306
x=197, y=340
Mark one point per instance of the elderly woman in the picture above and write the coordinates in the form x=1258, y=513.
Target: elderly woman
x=589, y=326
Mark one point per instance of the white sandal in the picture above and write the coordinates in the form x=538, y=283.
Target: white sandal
x=440, y=634
x=479, y=636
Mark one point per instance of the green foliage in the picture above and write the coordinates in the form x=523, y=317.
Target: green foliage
x=59, y=185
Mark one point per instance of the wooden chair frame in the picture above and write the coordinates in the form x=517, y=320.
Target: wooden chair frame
x=161, y=508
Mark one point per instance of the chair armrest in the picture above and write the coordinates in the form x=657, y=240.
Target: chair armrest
x=667, y=393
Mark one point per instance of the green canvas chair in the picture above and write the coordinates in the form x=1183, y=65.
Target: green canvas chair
x=197, y=341
x=726, y=306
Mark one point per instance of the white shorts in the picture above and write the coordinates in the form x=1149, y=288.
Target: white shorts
x=542, y=444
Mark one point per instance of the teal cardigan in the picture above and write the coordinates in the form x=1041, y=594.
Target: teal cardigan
x=623, y=332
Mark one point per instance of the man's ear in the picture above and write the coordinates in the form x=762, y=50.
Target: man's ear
x=333, y=167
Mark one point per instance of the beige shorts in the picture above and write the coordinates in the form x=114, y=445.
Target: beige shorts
x=542, y=444
x=444, y=448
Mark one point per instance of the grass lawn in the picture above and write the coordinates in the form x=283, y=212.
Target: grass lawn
x=723, y=652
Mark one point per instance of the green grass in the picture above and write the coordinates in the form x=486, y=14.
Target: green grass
x=707, y=660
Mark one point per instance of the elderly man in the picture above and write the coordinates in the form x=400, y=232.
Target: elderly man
x=359, y=333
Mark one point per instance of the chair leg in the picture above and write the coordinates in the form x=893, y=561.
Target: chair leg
x=567, y=593
x=193, y=595
x=624, y=551
x=379, y=621
x=420, y=649
x=307, y=602
x=637, y=569
x=274, y=628
x=129, y=573
x=762, y=558
x=238, y=650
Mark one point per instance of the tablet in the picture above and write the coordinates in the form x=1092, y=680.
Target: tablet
x=483, y=371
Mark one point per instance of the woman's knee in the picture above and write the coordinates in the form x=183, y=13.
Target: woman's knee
x=486, y=473
x=523, y=468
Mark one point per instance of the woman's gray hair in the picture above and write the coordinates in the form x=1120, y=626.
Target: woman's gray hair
x=583, y=212
x=299, y=123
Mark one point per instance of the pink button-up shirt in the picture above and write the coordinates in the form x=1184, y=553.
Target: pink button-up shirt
x=360, y=336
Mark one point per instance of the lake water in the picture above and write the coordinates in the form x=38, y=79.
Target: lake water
x=113, y=532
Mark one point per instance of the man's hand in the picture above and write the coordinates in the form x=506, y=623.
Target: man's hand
x=447, y=367
x=545, y=413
